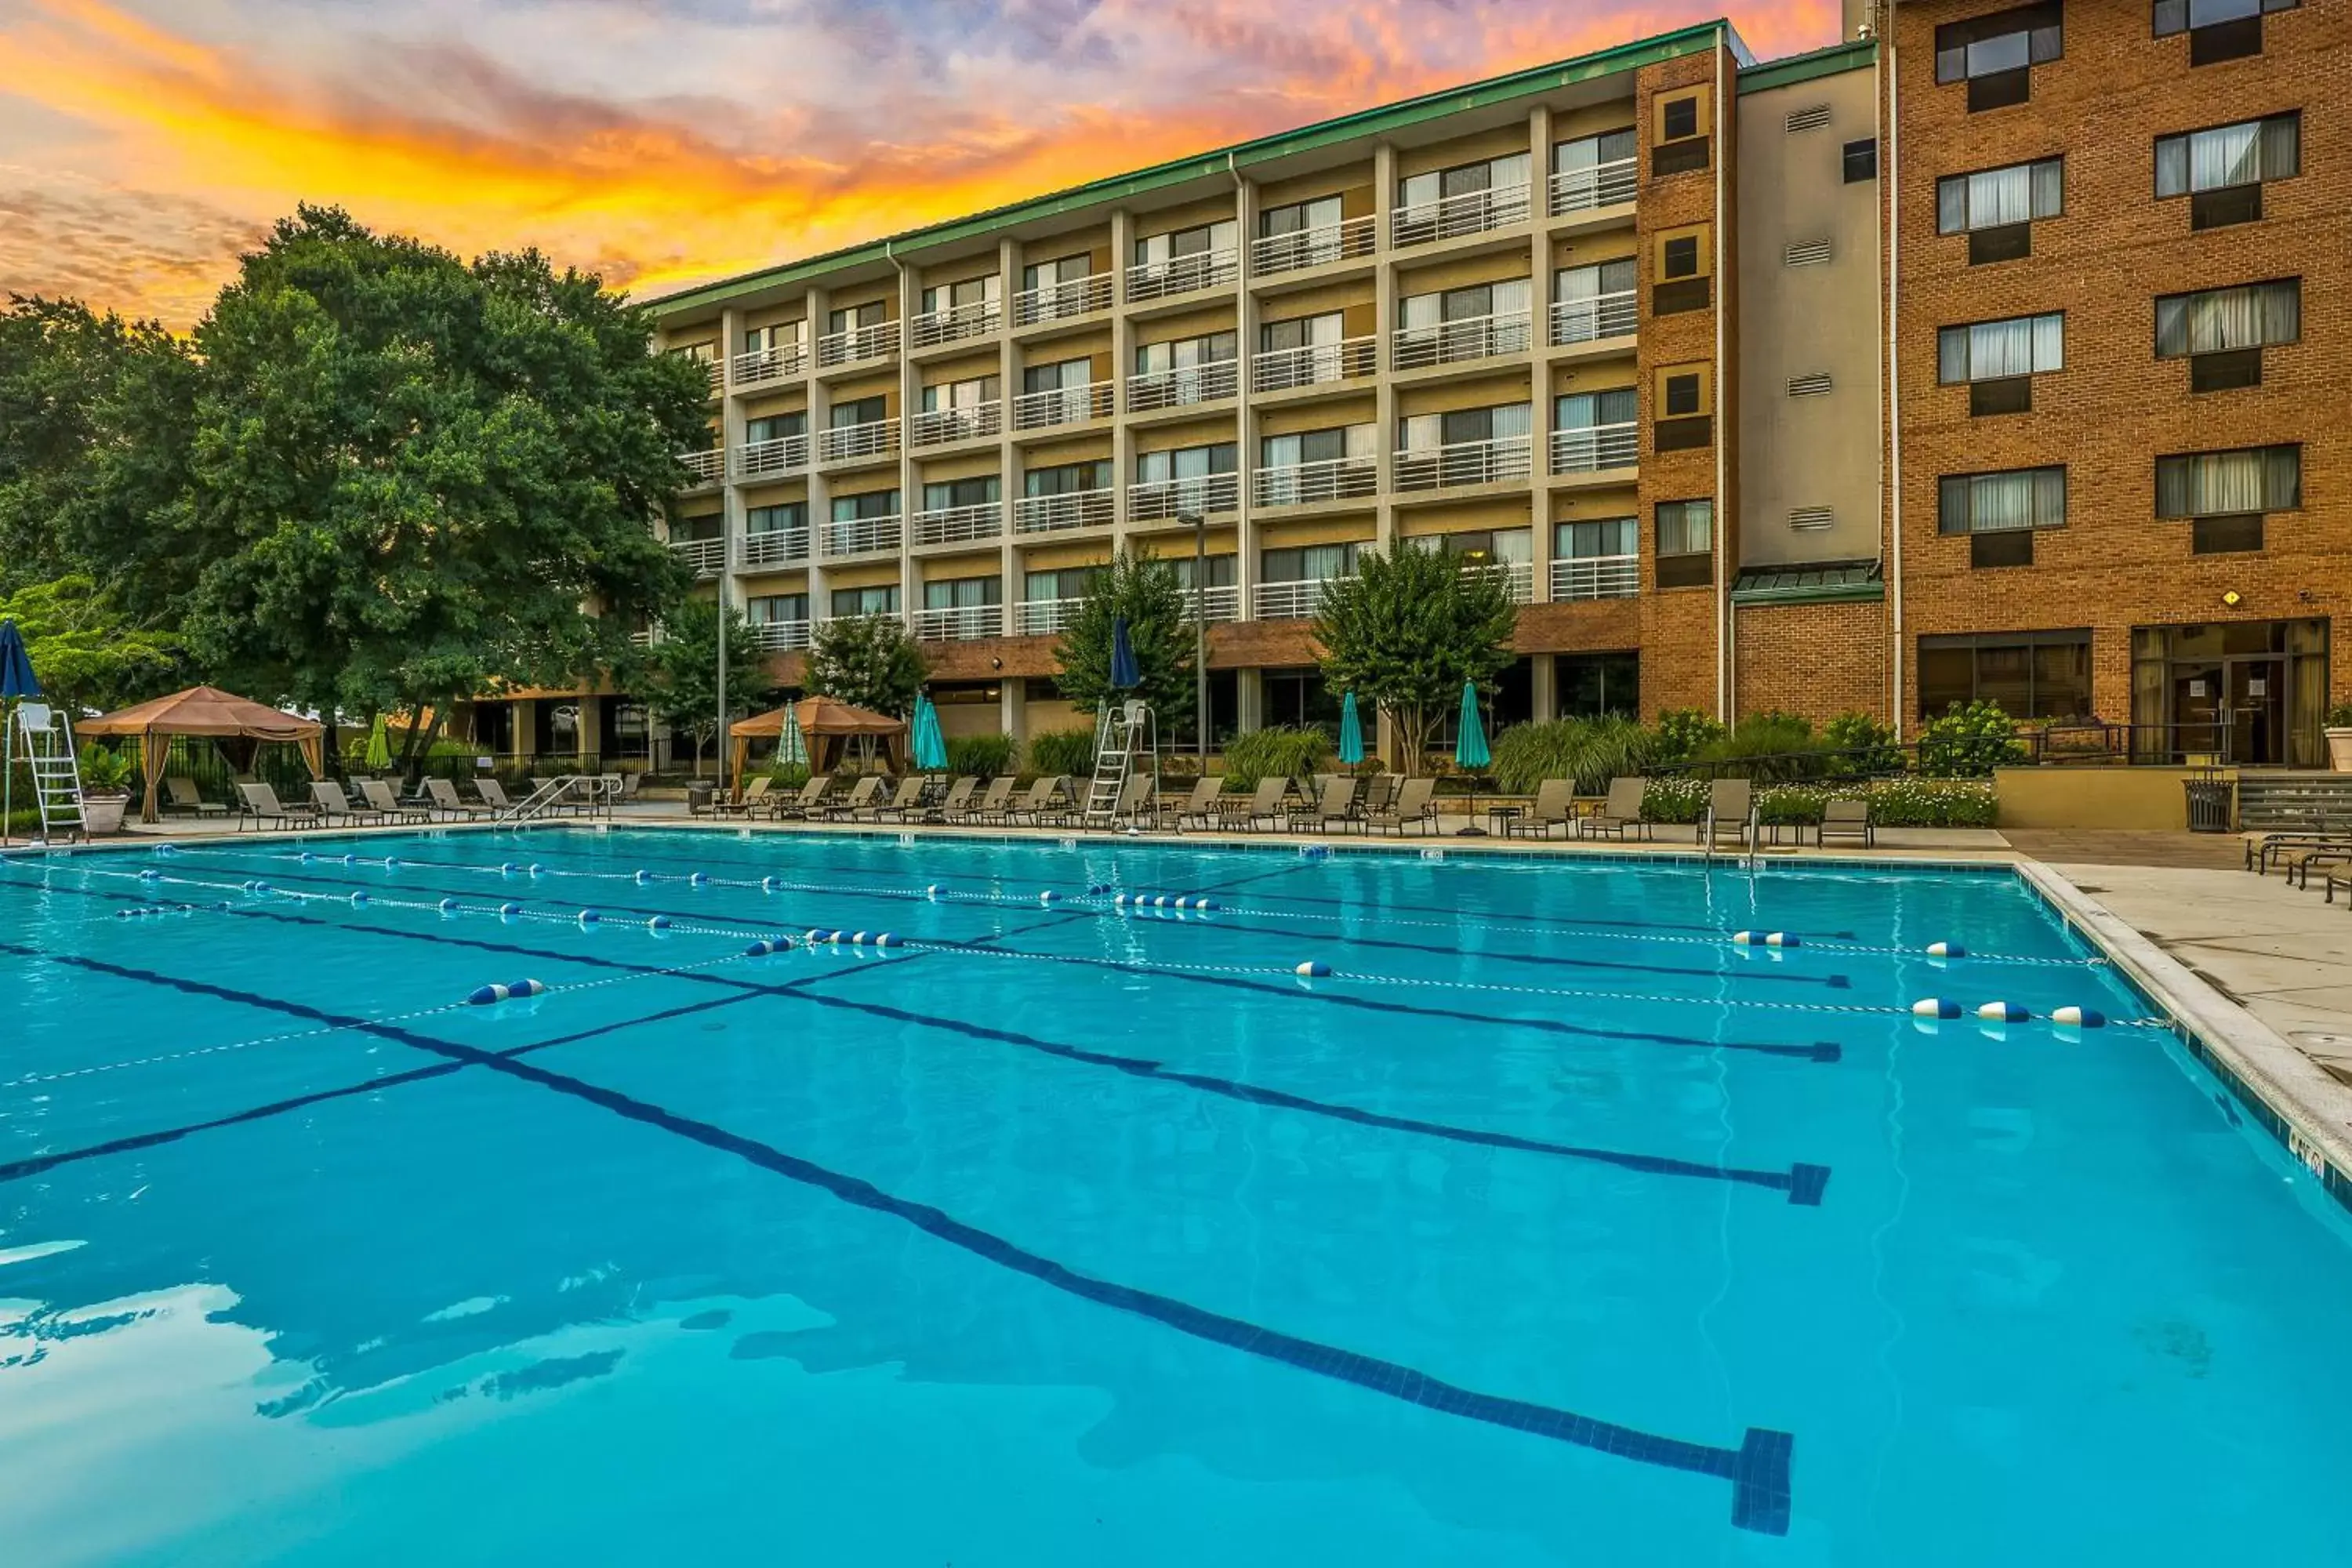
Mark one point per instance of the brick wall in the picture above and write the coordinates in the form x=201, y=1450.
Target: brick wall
x=1815, y=661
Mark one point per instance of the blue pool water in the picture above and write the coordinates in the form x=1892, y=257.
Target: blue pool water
x=1552, y=1228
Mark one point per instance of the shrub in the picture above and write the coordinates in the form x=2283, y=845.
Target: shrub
x=2340, y=716
x=1588, y=751
x=1933, y=802
x=984, y=756
x=1051, y=752
x=1767, y=747
x=103, y=770
x=1281, y=751
x=1786, y=805
x=1681, y=731
x=1674, y=800
x=1969, y=741
x=1861, y=747
x=789, y=775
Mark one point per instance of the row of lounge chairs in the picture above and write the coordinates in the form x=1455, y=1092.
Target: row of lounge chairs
x=379, y=805
x=1383, y=804
x=1730, y=815
x=2299, y=853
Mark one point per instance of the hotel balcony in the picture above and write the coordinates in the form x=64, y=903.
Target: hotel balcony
x=971, y=422
x=1595, y=448
x=961, y=624
x=1044, y=618
x=1596, y=577
x=844, y=443
x=760, y=366
x=864, y=536
x=1602, y=316
x=1202, y=269
x=1061, y=405
x=1602, y=186
x=1182, y=387
x=1281, y=369
x=1504, y=458
x=1450, y=217
x=1197, y=494
x=1519, y=579
x=1302, y=484
x=705, y=557
x=1449, y=342
x=1289, y=601
x=1061, y=302
x=783, y=455
x=955, y=323
x=780, y=636
x=704, y=466
x=878, y=341
x=776, y=547
x=1055, y=513
x=1342, y=241
x=952, y=524
x=1223, y=603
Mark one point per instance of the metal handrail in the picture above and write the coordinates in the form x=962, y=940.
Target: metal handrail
x=966, y=422
x=855, y=344
x=1606, y=184
x=1470, y=212
x=861, y=536
x=1594, y=319
x=944, y=525
x=1182, y=386
x=1317, y=246
x=1150, y=499
x=1468, y=337
x=1060, y=301
x=779, y=454
x=1501, y=458
x=1596, y=577
x=774, y=362
x=1066, y=510
x=1061, y=405
x=776, y=546
x=1313, y=365
x=873, y=438
x=957, y=322
x=960, y=623
x=1183, y=274
x=1595, y=448
x=1330, y=478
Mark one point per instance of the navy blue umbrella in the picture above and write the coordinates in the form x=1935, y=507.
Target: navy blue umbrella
x=16, y=681
x=1124, y=672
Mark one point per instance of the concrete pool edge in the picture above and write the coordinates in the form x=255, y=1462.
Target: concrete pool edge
x=2287, y=1092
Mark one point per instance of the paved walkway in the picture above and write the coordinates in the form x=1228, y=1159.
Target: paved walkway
x=2110, y=846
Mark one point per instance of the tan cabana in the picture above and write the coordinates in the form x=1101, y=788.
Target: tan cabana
x=826, y=725
x=212, y=713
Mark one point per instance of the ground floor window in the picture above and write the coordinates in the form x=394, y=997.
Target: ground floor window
x=1224, y=704
x=628, y=732
x=1512, y=702
x=558, y=729
x=2030, y=675
x=2251, y=693
x=1595, y=685
x=1300, y=697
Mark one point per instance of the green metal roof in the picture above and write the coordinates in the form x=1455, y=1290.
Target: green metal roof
x=1857, y=54
x=1808, y=583
x=1381, y=120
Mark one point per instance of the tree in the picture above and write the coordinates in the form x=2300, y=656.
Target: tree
x=1159, y=626
x=682, y=672
x=867, y=661
x=411, y=478
x=86, y=653
x=1408, y=629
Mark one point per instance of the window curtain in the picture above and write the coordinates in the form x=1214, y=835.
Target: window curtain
x=1989, y=350
x=2221, y=320
x=1511, y=419
x=2219, y=484
x=1998, y=503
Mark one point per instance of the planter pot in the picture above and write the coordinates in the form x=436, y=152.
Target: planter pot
x=103, y=813
x=2339, y=750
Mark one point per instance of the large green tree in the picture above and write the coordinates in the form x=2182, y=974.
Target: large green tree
x=87, y=654
x=681, y=672
x=867, y=661
x=412, y=479
x=1159, y=627
x=1408, y=629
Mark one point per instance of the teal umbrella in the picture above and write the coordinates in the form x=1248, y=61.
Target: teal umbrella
x=1470, y=750
x=930, y=747
x=1352, y=732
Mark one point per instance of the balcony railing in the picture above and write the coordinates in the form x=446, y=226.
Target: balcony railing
x=758, y=366
x=1332, y=479
x=1272, y=253
x=781, y=455
x=776, y=547
x=705, y=466
x=1596, y=577
x=1519, y=579
x=706, y=557
x=875, y=438
x=975, y=319
x=1289, y=601
x=861, y=536
x=945, y=525
x=1463, y=463
x=1602, y=185
x=959, y=624
x=1472, y=337
x=1590, y=321
x=1060, y=301
x=1071, y=509
x=780, y=636
x=1180, y=387
x=971, y=422
x=713, y=372
x=1472, y=212
x=1223, y=602
x=1045, y=617
x=1277, y=370
x=858, y=343
x=1061, y=405
x=1183, y=274
x=1156, y=499
x=1590, y=448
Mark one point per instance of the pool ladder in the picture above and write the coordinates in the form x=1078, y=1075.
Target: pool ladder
x=1121, y=731
x=56, y=775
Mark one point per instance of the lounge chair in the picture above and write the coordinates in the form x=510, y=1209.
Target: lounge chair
x=950, y=806
x=1047, y=798
x=1337, y=802
x=494, y=796
x=1263, y=804
x=443, y=796
x=261, y=806
x=380, y=797
x=1378, y=791
x=861, y=798
x=2279, y=849
x=1555, y=806
x=808, y=803
x=1847, y=817
x=1413, y=803
x=1620, y=813
x=1200, y=806
x=1134, y=801
x=755, y=798
x=991, y=802
x=907, y=798
x=1730, y=808
x=184, y=800
x=335, y=806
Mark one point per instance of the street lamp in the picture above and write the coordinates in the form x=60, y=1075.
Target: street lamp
x=1200, y=522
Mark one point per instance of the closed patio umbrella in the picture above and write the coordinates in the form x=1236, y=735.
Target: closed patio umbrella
x=1352, y=732
x=1125, y=673
x=378, y=755
x=930, y=747
x=17, y=682
x=1470, y=750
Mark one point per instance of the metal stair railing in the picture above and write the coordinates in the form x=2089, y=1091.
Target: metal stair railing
x=548, y=796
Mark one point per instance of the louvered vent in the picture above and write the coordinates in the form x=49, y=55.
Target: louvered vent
x=1814, y=385
x=1806, y=252
x=1811, y=519
x=1811, y=118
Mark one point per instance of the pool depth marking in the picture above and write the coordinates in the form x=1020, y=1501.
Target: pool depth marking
x=1759, y=1469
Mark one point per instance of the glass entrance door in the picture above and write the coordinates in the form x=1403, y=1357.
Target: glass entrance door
x=2198, y=710
x=2257, y=712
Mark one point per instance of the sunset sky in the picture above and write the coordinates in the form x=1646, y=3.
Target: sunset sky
x=143, y=144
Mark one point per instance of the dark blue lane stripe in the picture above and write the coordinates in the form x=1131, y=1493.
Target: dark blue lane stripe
x=1759, y=1469
x=1804, y=1184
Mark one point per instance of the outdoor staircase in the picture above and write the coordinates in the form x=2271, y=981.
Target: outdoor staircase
x=47, y=736
x=1121, y=731
x=2282, y=801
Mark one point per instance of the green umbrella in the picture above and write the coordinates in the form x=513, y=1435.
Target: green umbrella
x=378, y=755
x=792, y=746
x=1470, y=750
x=1352, y=732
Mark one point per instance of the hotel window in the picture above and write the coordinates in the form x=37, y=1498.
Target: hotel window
x=970, y=296
x=1186, y=462
x=1593, y=171
x=1475, y=321
x=1307, y=563
x=947, y=495
x=1178, y=368
x=1861, y=160
x=768, y=609
x=1462, y=426
x=1686, y=409
x=963, y=592
x=1996, y=54
x=1479, y=546
x=1600, y=539
x=857, y=411
x=880, y=600
x=1685, y=540
x=962, y=401
x=1306, y=234
x=2225, y=495
x=775, y=335
x=870, y=504
x=1462, y=199
x=873, y=313
x=2221, y=332
x=775, y=426
x=1066, y=584
x=1186, y=258
x=1595, y=301
x=1684, y=263
x=1068, y=479
x=1997, y=360
x=2217, y=30
x=2029, y=675
x=1591, y=685
x=1996, y=208
x=777, y=519
x=1678, y=142
x=2221, y=170
x=2000, y=511
x=1314, y=464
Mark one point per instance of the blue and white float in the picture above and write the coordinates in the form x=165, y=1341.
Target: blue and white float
x=2003, y=1013
x=1313, y=969
x=1935, y=1007
x=485, y=996
x=1946, y=950
x=2073, y=1017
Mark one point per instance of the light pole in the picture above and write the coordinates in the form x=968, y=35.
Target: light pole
x=1200, y=522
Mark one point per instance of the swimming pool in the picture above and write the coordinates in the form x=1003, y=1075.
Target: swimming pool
x=1551, y=1225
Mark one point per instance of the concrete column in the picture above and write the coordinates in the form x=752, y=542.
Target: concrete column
x=1540, y=396
x=1246, y=437
x=522, y=727
x=1123, y=358
x=590, y=730
x=1013, y=707
x=909, y=487
x=1384, y=321
x=1543, y=688
x=820, y=491
x=1249, y=699
x=1008, y=455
